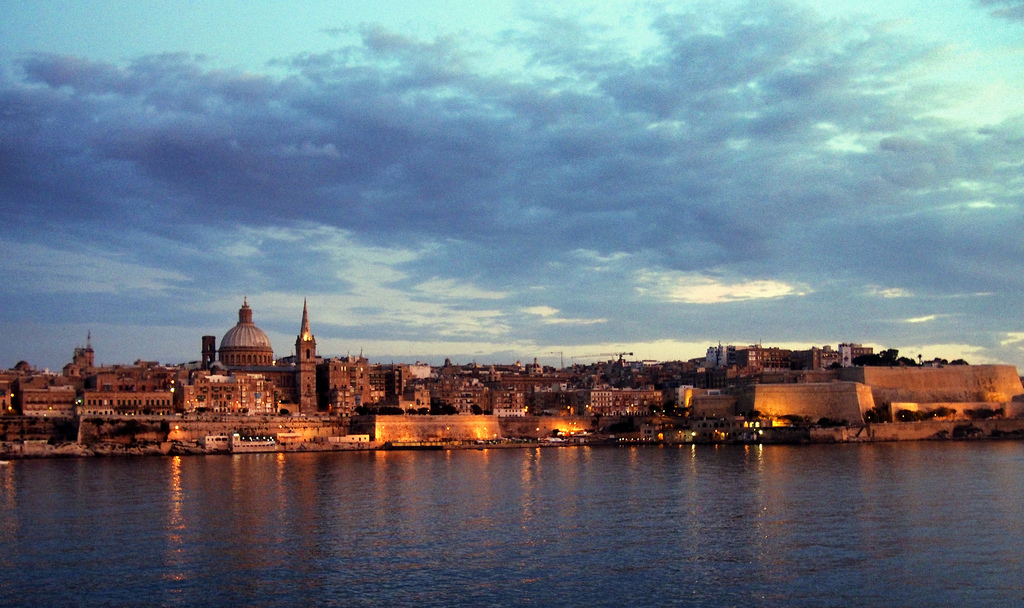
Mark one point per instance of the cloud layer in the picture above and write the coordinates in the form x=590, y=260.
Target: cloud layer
x=740, y=173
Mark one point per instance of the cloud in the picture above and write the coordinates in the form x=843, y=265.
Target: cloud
x=701, y=289
x=924, y=319
x=557, y=183
x=1005, y=9
x=450, y=289
x=890, y=292
x=1012, y=338
x=549, y=316
x=42, y=269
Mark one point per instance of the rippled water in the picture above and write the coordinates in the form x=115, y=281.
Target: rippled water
x=911, y=524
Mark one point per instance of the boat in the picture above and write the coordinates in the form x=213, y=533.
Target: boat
x=244, y=445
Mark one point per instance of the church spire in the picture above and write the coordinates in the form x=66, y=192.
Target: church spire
x=304, y=331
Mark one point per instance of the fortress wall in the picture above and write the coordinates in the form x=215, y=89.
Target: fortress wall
x=714, y=406
x=836, y=400
x=1010, y=409
x=536, y=427
x=436, y=428
x=953, y=383
x=21, y=428
x=95, y=429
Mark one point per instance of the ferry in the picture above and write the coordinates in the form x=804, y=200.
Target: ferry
x=242, y=445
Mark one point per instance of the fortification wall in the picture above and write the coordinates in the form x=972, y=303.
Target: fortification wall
x=21, y=428
x=141, y=428
x=535, y=427
x=436, y=428
x=836, y=400
x=945, y=429
x=1011, y=409
x=950, y=384
x=714, y=406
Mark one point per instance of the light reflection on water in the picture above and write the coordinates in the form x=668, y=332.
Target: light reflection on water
x=849, y=525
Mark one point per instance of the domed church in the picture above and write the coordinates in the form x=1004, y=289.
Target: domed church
x=246, y=349
x=245, y=344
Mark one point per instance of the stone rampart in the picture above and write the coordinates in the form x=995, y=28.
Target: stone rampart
x=144, y=428
x=436, y=428
x=949, y=384
x=714, y=406
x=21, y=428
x=836, y=400
x=536, y=427
x=945, y=429
x=960, y=409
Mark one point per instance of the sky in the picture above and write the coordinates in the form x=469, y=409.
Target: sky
x=497, y=181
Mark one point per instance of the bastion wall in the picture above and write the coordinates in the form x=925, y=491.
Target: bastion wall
x=436, y=428
x=949, y=384
x=141, y=428
x=836, y=400
x=536, y=427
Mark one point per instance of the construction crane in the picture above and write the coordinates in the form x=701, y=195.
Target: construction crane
x=561, y=359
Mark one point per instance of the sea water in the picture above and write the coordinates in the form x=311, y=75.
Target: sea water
x=907, y=524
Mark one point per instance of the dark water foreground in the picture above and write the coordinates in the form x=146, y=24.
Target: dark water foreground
x=911, y=524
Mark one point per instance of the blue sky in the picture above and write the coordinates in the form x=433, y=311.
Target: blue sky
x=497, y=181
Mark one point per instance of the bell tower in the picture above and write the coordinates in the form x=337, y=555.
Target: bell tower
x=305, y=361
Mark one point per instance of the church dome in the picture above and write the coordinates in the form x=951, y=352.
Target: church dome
x=246, y=344
x=245, y=336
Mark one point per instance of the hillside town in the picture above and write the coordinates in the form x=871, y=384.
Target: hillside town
x=734, y=393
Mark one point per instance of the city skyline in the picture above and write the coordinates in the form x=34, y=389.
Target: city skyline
x=506, y=181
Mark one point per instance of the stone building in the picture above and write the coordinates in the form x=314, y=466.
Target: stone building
x=49, y=400
x=757, y=358
x=238, y=393
x=109, y=403
x=343, y=384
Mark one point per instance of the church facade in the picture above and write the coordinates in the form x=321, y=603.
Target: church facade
x=304, y=383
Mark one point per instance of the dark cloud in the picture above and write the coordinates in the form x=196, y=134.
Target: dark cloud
x=1005, y=9
x=766, y=141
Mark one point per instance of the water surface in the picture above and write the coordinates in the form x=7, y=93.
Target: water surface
x=909, y=524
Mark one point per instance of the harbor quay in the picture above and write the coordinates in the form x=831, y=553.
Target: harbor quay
x=24, y=437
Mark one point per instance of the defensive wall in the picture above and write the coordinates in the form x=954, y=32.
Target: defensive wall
x=713, y=406
x=128, y=429
x=949, y=384
x=920, y=431
x=1011, y=409
x=433, y=428
x=836, y=400
x=472, y=428
x=37, y=428
x=958, y=387
x=537, y=427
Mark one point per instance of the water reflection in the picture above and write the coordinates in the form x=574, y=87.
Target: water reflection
x=699, y=525
x=174, y=562
x=9, y=528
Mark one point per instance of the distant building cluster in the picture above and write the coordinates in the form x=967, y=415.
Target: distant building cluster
x=241, y=376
